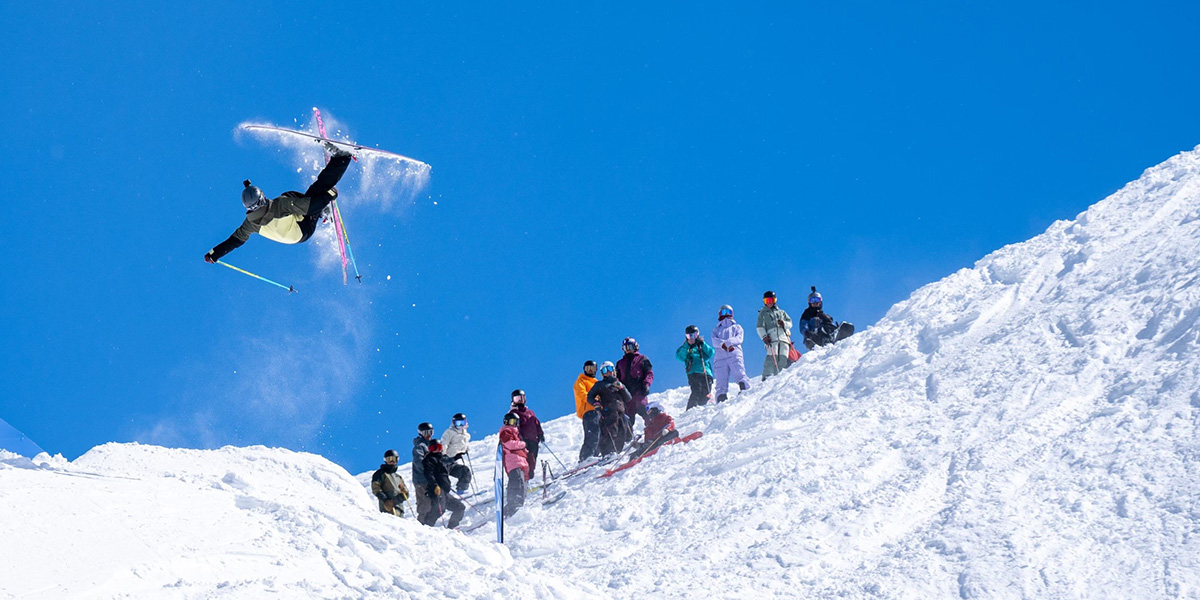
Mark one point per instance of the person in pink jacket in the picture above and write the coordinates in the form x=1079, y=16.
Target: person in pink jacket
x=516, y=464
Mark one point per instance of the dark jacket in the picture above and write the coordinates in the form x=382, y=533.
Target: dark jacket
x=420, y=449
x=283, y=213
x=609, y=396
x=436, y=474
x=387, y=484
x=813, y=312
x=531, y=426
x=636, y=372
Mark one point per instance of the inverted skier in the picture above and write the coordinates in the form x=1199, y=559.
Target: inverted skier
x=292, y=217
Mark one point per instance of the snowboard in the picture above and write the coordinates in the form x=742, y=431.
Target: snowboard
x=350, y=147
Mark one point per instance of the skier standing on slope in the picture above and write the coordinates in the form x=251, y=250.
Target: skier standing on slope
x=388, y=486
x=455, y=441
x=289, y=219
x=609, y=396
x=420, y=483
x=586, y=412
x=775, y=329
x=729, y=364
x=635, y=371
x=696, y=355
x=531, y=427
x=660, y=428
x=438, y=488
x=516, y=464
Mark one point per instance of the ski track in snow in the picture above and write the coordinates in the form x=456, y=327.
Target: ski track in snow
x=1026, y=428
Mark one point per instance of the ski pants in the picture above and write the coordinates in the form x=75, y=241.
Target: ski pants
x=777, y=358
x=460, y=472
x=318, y=194
x=424, y=506
x=635, y=408
x=701, y=384
x=614, y=432
x=591, y=434
x=531, y=446
x=438, y=508
x=514, y=494
x=732, y=369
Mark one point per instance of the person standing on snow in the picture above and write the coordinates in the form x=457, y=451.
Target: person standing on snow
x=289, y=219
x=636, y=373
x=660, y=428
x=586, y=412
x=775, y=329
x=455, y=441
x=438, y=488
x=609, y=396
x=420, y=483
x=729, y=364
x=531, y=427
x=516, y=464
x=695, y=354
x=388, y=486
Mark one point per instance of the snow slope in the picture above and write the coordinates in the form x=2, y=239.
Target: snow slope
x=1026, y=428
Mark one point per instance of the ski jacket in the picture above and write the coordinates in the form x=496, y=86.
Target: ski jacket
x=659, y=425
x=696, y=358
x=609, y=395
x=455, y=441
x=636, y=372
x=811, y=313
x=420, y=449
x=515, y=454
x=436, y=474
x=583, y=384
x=727, y=333
x=531, y=427
x=387, y=484
x=768, y=324
x=277, y=220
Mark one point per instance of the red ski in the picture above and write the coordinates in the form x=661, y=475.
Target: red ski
x=695, y=435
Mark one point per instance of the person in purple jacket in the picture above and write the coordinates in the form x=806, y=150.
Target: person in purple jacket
x=530, y=427
x=729, y=365
x=636, y=373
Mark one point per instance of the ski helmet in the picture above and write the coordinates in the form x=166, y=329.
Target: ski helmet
x=518, y=396
x=815, y=296
x=607, y=367
x=512, y=419
x=654, y=407
x=589, y=363
x=769, y=297
x=425, y=428
x=724, y=312
x=252, y=197
x=690, y=329
x=458, y=420
x=391, y=453
x=435, y=446
x=628, y=343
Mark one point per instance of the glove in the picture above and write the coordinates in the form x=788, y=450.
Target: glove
x=767, y=339
x=208, y=258
x=437, y=490
x=382, y=497
x=541, y=438
x=459, y=456
x=780, y=321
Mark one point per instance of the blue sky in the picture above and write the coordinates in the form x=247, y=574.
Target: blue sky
x=598, y=171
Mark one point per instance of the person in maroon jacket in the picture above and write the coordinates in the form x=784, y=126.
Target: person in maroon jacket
x=636, y=373
x=531, y=428
x=660, y=428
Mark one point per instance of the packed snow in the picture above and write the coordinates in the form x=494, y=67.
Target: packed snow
x=1026, y=428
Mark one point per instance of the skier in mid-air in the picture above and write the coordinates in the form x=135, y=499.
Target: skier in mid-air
x=289, y=219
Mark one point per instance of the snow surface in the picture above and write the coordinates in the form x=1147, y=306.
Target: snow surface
x=1026, y=428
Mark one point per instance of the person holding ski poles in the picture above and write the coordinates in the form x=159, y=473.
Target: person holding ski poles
x=660, y=429
x=729, y=364
x=775, y=329
x=586, y=412
x=531, y=427
x=292, y=217
x=609, y=396
x=455, y=441
x=696, y=355
x=637, y=374
x=420, y=483
x=438, y=489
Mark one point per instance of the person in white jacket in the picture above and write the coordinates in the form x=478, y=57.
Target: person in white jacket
x=455, y=440
x=729, y=364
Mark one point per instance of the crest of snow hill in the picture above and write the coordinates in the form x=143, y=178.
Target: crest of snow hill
x=1026, y=428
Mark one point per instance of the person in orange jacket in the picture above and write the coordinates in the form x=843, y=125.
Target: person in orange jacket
x=586, y=412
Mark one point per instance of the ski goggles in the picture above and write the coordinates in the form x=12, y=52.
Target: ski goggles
x=814, y=300
x=460, y=423
x=693, y=335
x=768, y=301
x=607, y=370
x=725, y=312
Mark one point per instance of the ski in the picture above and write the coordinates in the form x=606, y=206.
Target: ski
x=349, y=146
x=554, y=498
x=634, y=462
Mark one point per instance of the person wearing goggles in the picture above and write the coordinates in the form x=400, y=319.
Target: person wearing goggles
x=817, y=327
x=420, y=483
x=586, y=412
x=635, y=371
x=531, y=427
x=729, y=364
x=775, y=328
x=456, y=440
x=388, y=486
x=609, y=397
x=696, y=356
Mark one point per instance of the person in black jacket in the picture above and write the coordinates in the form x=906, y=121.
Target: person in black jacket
x=388, y=486
x=609, y=396
x=420, y=450
x=438, y=488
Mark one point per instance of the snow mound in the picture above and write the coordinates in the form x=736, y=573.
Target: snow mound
x=134, y=521
x=1026, y=428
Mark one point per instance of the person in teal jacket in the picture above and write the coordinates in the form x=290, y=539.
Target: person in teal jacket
x=696, y=355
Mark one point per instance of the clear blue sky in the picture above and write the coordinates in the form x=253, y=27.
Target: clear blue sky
x=599, y=171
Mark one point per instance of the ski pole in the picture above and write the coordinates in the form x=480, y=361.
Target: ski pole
x=560, y=463
x=243, y=271
x=471, y=466
x=346, y=237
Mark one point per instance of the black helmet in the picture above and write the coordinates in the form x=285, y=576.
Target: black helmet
x=512, y=419
x=518, y=392
x=252, y=197
x=691, y=329
x=589, y=363
x=518, y=396
x=768, y=294
x=423, y=427
x=391, y=453
x=458, y=417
